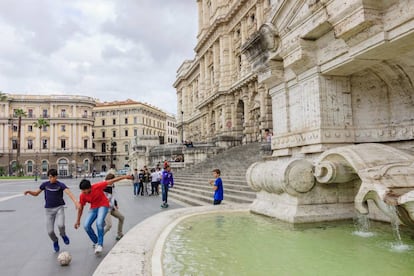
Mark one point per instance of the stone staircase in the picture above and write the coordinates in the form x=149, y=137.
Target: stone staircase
x=191, y=184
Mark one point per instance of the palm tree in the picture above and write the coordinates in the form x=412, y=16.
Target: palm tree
x=19, y=113
x=3, y=97
x=41, y=123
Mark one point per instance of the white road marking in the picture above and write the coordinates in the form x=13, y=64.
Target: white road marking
x=9, y=197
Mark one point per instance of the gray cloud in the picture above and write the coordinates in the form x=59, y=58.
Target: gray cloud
x=106, y=49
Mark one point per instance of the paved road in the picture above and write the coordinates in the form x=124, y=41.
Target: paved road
x=25, y=247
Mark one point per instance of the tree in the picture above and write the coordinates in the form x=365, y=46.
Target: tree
x=19, y=113
x=41, y=123
x=3, y=97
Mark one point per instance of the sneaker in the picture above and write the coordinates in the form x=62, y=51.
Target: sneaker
x=66, y=239
x=56, y=246
x=94, y=245
x=119, y=237
x=98, y=249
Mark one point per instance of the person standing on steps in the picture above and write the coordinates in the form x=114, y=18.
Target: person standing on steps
x=167, y=182
x=217, y=184
x=54, y=206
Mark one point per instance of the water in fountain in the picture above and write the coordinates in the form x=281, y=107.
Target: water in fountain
x=362, y=225
x=398, y=245
x=247, y=244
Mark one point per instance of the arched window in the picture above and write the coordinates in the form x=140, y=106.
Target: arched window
x=45, y=167
x=29, y=166
x=63, y=167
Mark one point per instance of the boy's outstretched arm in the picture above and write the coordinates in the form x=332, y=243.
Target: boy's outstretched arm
x=33, y=193
x=113, y=180
x=72, y=197
x=77, y=223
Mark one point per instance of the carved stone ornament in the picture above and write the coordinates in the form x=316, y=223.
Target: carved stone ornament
x=268, y=37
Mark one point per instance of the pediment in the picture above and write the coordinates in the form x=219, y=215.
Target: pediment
x=289, y=14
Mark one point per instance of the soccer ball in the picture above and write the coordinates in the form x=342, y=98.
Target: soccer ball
x=64, y=258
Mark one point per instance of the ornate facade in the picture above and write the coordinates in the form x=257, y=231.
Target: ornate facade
x=65, y=145
x=219, y=97
x=338, y=72
x=119, y=123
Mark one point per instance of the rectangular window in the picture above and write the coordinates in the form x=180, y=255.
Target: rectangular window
x=114, y=121
x=135, y=120
x=126, y=121
x=44, y=128
x=103, y=122
x=14, y=144
x=63, y=128
x=44, y=113
x=63, y=144
x=85, y=144
x=30, y=113
x=85, y=128
x=135, y=132
x=114, y=133
x=29, y=144
x=126, y=132
x=85, y=114
x=126, y=148
x=103, y=134
x=44, y=144
x=63, y=113
x=30, y=128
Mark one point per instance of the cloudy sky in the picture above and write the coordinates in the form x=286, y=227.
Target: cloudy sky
x=106, y=49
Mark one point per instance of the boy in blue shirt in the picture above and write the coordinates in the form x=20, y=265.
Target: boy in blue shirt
x=54, y=204
x=167, y=181
x=217, y=187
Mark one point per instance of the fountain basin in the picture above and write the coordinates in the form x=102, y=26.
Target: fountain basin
x=246, y=244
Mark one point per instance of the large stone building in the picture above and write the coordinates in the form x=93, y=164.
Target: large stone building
x=65, y=145
x=119, y=123
x=219, y=97
x=84, y=135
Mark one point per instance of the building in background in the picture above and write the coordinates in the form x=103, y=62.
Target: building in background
x=120, y=127
x=219, y=98
x=66, y=144
x=171, y=130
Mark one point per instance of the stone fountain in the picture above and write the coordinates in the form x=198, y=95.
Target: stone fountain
x=366, y=178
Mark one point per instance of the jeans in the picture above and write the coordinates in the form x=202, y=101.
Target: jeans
x=99, y=215
x=136, y=188
x=164, y=189
x=52, y=215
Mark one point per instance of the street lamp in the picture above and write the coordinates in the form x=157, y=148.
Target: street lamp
x=10, y=122
x=36, y=165
x=182, y=127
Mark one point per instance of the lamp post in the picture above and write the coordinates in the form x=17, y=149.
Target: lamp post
x=10, y=121
x=112, y=153
x=36, y=166
x=182, y=127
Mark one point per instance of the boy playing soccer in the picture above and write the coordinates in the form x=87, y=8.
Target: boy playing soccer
x=99, y=208
x=54, y=205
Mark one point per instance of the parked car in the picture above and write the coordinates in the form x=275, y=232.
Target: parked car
x=122, y=172
x=101, y=174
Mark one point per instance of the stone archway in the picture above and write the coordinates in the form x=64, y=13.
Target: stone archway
x=63, y=167
x=240, y=117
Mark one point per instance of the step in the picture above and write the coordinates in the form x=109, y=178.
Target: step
x=227, y=197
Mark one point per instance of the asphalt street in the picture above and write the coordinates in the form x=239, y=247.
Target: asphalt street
x=25, y=247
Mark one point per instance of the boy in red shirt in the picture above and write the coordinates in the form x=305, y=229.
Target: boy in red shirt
x=99, y=208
